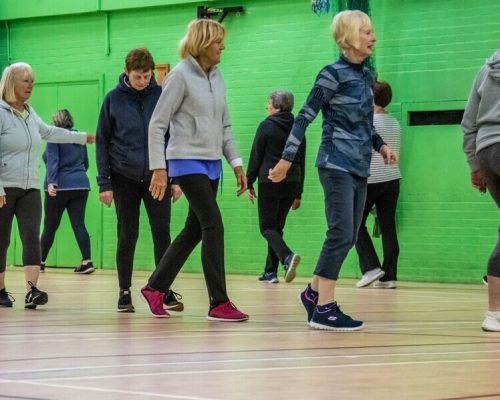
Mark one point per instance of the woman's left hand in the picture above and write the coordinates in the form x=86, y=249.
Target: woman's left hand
x=51, y=190
x=158, y=184
x=176, y=192
x=241, y=180
x=390, y=156
x=3, y=201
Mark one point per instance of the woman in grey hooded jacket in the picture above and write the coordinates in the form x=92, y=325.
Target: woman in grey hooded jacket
x=481, y=127
x=21, y=133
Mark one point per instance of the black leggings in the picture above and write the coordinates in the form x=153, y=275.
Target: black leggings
x=204, y=222
x=26, y=206
x=75, y=202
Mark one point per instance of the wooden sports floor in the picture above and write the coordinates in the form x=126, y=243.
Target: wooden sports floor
x=421, y=341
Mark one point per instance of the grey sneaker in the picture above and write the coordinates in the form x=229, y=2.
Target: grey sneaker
x=491, y=321
x=369, y=277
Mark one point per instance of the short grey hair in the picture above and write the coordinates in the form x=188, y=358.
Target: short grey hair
x=282, y=100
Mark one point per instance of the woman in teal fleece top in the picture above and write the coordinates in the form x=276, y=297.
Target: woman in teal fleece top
x=21, y=133
x=343, y=91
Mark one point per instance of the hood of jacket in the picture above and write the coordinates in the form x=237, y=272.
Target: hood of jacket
x=124, y=86
x=283, y=119
x=494, y=66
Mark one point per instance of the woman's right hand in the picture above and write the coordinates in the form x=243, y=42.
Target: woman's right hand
x=278, y=173
x=3, y=201
x=51, y=190
x=158, y=184
x=106, y=197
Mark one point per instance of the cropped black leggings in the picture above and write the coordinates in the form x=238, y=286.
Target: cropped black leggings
x=26, y=206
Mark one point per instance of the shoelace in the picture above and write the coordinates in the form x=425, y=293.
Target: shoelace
x=177, y=296
x=31, y=285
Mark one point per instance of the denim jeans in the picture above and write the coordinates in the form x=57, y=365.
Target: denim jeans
x=489, y=159
x=345, y=196
x=384, y=196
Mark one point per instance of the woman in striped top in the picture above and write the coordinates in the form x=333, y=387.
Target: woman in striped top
x=383, y=193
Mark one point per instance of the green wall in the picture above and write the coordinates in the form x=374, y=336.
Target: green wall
x=428, y=51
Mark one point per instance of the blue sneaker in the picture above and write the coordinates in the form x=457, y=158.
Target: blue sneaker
x=269, y=277
x=329, y=317
x=291, y=263
x=309, y=299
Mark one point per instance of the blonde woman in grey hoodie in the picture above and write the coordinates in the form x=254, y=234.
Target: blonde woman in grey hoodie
x=193, y=106
x=21, y=133
x=481, y=126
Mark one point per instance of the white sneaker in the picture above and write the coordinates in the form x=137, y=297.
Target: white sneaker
x=370, y=277
x=491, y=321
x=385, y=285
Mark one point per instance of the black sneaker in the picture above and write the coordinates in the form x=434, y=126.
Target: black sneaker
x=6, y=299
x=485, y=280
x=125, y=302
x=291, y=263
x=85, y=269
x=171, y=301
x=269, y=277
x=329, y=317
x=309, y=299
x=35, y=298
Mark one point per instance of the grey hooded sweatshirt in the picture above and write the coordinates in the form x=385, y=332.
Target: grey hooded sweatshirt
x=481, y=121
x=20, y=142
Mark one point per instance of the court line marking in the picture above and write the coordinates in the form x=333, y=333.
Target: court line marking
x=95, y=389
x=249, y=360
x=260, y=369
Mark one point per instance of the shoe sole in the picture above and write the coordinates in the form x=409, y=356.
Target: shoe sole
x=385, y=287
x=292, y=269
x=149, y=309
x=6, y=305
x=335, y=329
x=176, y=308
x=126, y=309
x=227, y=320
x=86, y=272
x=368, y=283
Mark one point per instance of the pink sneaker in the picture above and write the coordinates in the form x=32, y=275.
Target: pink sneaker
x=226, y=312
x=154, y=300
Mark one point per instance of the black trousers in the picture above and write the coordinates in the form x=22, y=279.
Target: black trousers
x=384, y=196
x=203, y=223
x=26, y=206
x=75, y=202
x=128, y=195
x=275, y=200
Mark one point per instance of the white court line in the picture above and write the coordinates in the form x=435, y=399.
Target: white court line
x=261, y=369
x=247, y=360
x=94, y=389
x=95, y=336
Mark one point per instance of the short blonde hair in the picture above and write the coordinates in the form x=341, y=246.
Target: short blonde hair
x=7, y=83
x=346, y=26
x=201, y=33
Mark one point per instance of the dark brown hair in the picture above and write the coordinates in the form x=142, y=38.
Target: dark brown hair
x=139, y=60
x=382, y=93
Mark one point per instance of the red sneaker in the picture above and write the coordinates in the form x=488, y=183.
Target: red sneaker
x=226, y=312
x=154, y=301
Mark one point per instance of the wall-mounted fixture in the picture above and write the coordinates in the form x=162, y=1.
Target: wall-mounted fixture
x=208, y=12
